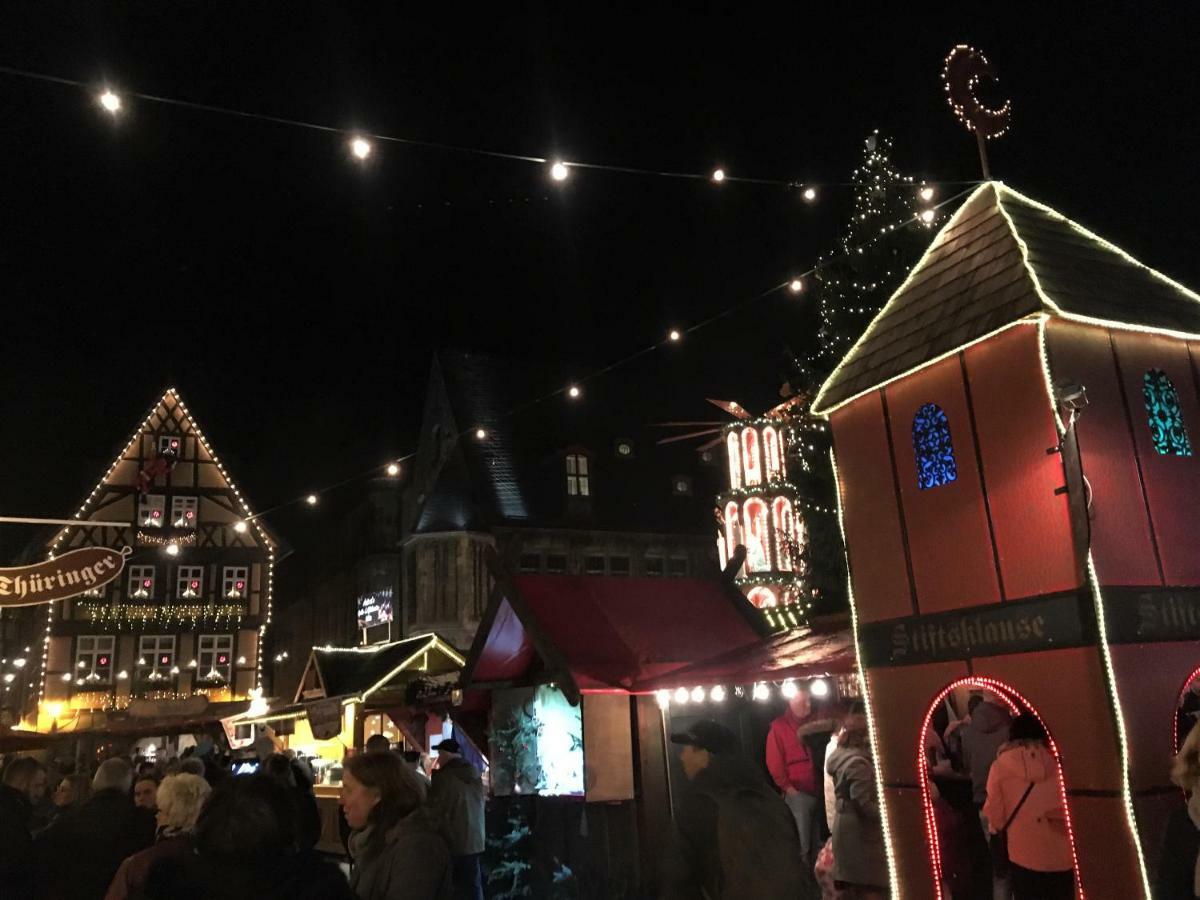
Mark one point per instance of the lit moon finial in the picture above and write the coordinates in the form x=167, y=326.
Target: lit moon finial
x=965, y=68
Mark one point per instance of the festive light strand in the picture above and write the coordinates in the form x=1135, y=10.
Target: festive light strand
x=359, y=142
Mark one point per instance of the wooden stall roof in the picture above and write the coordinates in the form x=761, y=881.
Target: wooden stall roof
x=803, y=653
x=1001, y=259
x=361, y=671
x=595, y=633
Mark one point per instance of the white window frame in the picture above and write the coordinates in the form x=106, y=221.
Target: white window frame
x=180, y=507
x=578, y=477
x=138, y=575
x=184, y=576
x=662, y=565
x=673, y=561
x=151, y=649
x=164, y=443
x=148, y=505
x=88, y=650
x=210, y=647
x=230, y=576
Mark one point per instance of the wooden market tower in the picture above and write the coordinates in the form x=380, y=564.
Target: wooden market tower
x=1020, y=496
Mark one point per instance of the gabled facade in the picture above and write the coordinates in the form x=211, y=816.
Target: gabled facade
x=188, y=615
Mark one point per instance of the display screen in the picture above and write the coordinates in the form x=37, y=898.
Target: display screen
x=536, y=743
x=375, y=608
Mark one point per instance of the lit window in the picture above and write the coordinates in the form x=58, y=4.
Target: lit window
x=677, y=567
x=593, y=565
x=556, y=563
x=577, y=475
x=183, y=511
x=214, y=661
x=151, y=510
x=757, y=535
x=141, y=582
x=189, y=582
x=234, y=582
x=733, y=527
x=770, y=441
x=170, y=445
x=94, y=659
x=156, y=657
x=932, y=447
x=1166, y=420
x=530, y=563
x=751, y=462
x=784, y=532
x=654, y=566
x=618, y=565
x=734, y=451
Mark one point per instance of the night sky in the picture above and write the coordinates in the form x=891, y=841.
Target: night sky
x=295, y=298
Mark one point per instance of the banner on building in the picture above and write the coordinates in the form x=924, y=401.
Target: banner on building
x=325, y=719
x=63, y=576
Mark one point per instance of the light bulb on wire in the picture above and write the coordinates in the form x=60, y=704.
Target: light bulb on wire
x=360, y=147
x=240, y=527
x=111, y=102
x=673, y=335
x=559, y=170
x=480, y=434
x=393, y=469
x=927, y=216
x=795, y=285
x=718, y=175
x=573, y=392
x=810, y=194
x=311, y=499
x=926, y=193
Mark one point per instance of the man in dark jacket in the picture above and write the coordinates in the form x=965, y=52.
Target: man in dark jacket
x=79, y=854
x=458, y=800
x=16, y=846
x=735, y=838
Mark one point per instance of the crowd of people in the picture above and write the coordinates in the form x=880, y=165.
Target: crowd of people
x=191, y=830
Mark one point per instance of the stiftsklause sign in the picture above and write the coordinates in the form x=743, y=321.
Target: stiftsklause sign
x=64, y=576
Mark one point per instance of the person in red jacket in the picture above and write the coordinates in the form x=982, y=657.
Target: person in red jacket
x=795, y=771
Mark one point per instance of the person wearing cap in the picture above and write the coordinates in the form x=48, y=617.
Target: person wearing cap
x=734, y=837
x=457, y=797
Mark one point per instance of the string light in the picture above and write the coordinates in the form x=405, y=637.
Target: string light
x=682, y=695
x=393, y=469
x=311, y=499
x=240, y=526
x=111, y=102
x=674, y=335
x=796, y=285
x=810, y=194
x=761, y=691
x=926, y=193
x=927, y=216
x=573, y=392
x=718, y=175
x=559, y=171
x=360, y=147
x=480, y=434
x=171, y=549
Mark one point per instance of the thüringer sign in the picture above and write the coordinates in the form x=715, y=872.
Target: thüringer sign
x=64, y=576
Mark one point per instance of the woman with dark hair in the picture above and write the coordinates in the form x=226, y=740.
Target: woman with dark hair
x=246, y=849
x=398, y=855
x=308, y=816
x=1025, y=799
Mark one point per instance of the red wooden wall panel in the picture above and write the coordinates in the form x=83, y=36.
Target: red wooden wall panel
x=1172, y=482
x=1015, y=425
x=871, y=514
x=1122, y=546
x=948, y=536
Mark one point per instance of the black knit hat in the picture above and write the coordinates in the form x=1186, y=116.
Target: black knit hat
x=707, y=735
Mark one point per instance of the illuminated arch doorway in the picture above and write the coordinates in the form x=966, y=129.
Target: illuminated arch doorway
x=1182, y=725
x=1016, y=704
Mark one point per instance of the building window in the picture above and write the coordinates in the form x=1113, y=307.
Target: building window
x=654, y=566
x=141, y=582
x=529, y=563
x=93, y=659
x=932, y=447
x=151, y=510
x=189, y=582
x=577, y=476
x=156, y=657
x=183, y=511
x=234, y=582
x=170, y=445
x=214, y=662
x=1166, y=419
x=618, y=565
x=556, y=563
x=681, y=486
x=677, y=567
x=593, y=565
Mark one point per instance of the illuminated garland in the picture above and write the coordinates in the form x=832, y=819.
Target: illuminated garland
x=186, y=539
x=128, y=614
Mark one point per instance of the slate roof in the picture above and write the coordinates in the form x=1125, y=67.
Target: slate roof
x=516, y=475
x=1000, y=259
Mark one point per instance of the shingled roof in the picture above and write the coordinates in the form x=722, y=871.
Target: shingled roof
x=1001, y=259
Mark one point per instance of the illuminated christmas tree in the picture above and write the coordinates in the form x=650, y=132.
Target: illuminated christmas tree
x=879, y=245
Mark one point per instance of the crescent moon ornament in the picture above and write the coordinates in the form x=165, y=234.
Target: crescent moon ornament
x=965, y=68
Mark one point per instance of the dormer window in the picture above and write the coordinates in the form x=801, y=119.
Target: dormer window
x=170, y=445
x=183, y=511
x=578, y=481
x=152, y=510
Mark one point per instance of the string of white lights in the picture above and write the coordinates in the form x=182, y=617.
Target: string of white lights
x=361, y=144
x=574, y=391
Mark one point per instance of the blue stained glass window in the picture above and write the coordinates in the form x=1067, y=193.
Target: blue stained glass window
x=933, y=448
x=1166, y=421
